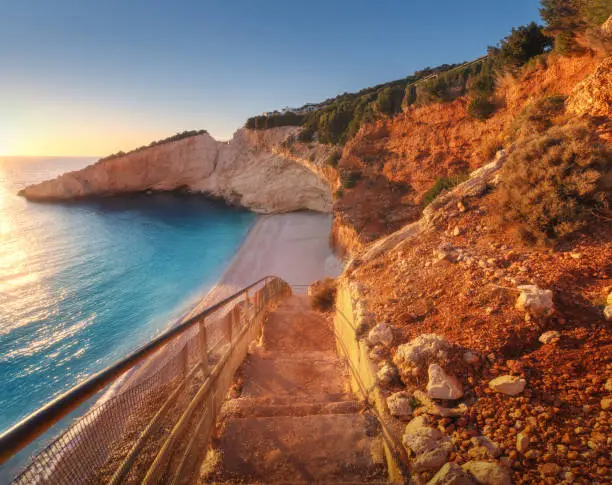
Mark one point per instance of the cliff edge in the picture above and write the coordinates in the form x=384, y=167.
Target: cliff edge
x=244, y=171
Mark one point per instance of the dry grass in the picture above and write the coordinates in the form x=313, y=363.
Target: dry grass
x=323, y=295
x=554, y=182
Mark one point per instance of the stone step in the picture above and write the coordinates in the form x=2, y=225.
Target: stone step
x=332, y=448
x=260, y=408
x=272, y=374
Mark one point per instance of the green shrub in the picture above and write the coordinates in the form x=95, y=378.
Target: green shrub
x=480, y=108
x=263, y=122
x=522, y=44
x=443, y=184
x=339, y=193
x=306, y=135
x=553, y=182
x=323, y=294
x=350, y=179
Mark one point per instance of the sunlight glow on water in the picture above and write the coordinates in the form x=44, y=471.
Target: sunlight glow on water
x=82, y=284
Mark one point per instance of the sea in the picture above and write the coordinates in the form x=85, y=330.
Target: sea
x=84, y=283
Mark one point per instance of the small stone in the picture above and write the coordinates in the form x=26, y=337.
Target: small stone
x=507, y=384
x=442, y=385
x=378, y=353
x=487, y=473
x=451, y=474
x=461, y=206
x=576, y=255
x=416, y=423
x=522, y=442
x=609, y=300
x=549, y=469
x=550, y=337
x=535, y=301
x=457, y=231
x=400, y=404
x=606, y=403
x=381, y=334
x=484, y=448
x=608, y=313
x=608, y=385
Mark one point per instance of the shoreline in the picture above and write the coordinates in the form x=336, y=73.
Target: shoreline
x=293, y=246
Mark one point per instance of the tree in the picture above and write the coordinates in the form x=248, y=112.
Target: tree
x=522, y=44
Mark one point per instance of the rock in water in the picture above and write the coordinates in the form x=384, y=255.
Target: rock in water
x=509, y=385
x=442, y=385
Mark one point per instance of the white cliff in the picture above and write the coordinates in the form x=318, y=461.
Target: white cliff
x=244, y=171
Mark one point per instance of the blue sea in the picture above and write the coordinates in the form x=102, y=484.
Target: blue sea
x=84, y=283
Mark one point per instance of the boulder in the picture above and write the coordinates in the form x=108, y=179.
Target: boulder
x=400, y=404
x=488, y=473
x=535, y=301
x=417, y=423
x=381, y=334
x=451, y=474
x=608, y=313
x=550, y=337
x=430, y=447
x=419, y=352
x=378, y=353
x=509, y=385
x=386, y=374
x=442, y=385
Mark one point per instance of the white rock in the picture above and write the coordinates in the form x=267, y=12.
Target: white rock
x=400, y=404
x=247, y=171
x=509, y=385
x=416, y=423
x=550, y=337
x=487, y=473
x=418, y=352
x=451, y=474
x=535, y=301
x=430, y=446
x=381, y=334
x=386, y=375
x=442, y=385
x=608, y=313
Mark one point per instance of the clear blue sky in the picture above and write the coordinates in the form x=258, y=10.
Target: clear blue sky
x=91, y=77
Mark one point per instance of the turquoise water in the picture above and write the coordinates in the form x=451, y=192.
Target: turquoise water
x=83, y=284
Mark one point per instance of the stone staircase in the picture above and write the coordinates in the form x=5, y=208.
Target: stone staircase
x=296, y=420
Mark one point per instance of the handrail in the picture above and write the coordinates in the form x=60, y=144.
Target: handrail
x=31, y=427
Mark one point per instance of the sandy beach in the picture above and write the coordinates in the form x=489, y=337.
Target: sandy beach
x=293, y=246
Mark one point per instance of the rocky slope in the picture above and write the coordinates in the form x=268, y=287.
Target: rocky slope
x=245, y=171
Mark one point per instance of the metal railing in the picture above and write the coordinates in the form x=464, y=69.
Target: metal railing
x=172, y=385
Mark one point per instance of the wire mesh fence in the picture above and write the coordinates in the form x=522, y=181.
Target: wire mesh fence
x=159, y=418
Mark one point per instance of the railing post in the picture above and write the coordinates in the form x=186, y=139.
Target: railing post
x=203, y=345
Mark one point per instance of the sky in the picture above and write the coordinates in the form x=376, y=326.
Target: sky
x=86, y=77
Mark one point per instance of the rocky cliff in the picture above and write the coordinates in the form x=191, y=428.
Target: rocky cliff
x=244, y=171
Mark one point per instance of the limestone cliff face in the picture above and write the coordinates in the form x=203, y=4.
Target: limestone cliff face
x=244, y=171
